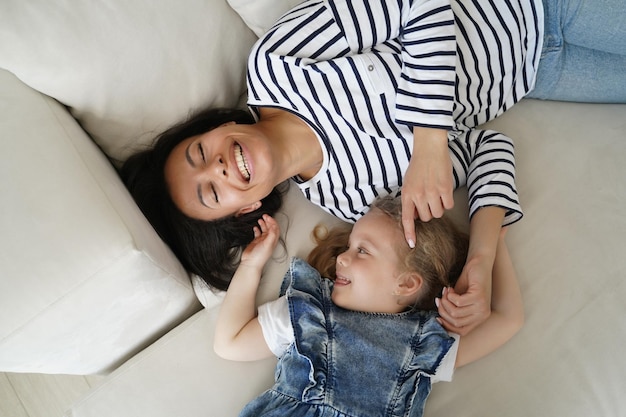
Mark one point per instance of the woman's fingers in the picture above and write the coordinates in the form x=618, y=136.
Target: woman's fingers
x=457, y=314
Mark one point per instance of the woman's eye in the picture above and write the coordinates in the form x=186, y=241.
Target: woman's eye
x=217, y=200
x=361, y=251
x=201, y=152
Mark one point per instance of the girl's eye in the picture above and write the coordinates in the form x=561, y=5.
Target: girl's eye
x=361, y=251
x=201, y=152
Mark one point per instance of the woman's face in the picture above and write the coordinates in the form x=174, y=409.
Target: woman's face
x=222, y=172
x=367, y=270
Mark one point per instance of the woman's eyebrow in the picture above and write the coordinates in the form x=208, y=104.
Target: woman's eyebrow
x=188, y=155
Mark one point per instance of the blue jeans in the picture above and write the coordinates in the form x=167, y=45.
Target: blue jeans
x=584, y=52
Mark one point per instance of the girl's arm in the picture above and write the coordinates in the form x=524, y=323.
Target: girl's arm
x=238, y=334
x=507, y=312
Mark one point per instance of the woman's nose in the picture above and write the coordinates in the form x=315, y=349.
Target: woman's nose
x=218, y=167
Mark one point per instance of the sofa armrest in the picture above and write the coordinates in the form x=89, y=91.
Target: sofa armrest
x=77, y=257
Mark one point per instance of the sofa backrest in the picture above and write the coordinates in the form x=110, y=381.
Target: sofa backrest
x=127, y=70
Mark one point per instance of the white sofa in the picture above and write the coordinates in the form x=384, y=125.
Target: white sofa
x=87, y=287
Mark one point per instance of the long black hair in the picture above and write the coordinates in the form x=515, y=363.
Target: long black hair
x=209, y=249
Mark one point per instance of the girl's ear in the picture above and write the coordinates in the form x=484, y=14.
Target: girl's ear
x=408, y=284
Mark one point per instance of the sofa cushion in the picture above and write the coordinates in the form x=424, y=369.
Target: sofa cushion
x=568, y=251
x=77, y=257
x=127, y=69
x=260, y=15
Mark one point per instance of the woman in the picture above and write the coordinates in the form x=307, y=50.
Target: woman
x=351, y=107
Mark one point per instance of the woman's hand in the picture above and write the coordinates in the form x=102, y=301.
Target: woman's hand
x=428, y=184
x=257, y=253
x=468, y=304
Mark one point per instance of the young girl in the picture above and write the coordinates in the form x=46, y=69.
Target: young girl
x=369, y=342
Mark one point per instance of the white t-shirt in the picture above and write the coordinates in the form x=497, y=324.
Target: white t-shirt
x=278, y=333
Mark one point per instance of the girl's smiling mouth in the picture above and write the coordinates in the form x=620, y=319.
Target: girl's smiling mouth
x=340, y=280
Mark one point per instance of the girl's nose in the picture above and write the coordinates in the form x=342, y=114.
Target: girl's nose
x=342, y=259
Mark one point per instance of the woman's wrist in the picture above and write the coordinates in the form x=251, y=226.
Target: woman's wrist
x=429, y=137
x=485, y=230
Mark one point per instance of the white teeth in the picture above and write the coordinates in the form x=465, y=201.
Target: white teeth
x=342, y=280
x=242, y=164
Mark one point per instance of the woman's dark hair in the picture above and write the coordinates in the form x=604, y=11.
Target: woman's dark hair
x=209, y=249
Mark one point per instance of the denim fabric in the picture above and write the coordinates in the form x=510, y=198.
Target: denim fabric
x=347, y=363
x=584, y=52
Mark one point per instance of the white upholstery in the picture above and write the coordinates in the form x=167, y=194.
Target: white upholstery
x=77, y=258
x=260, y=15
x=567, y=250
x=85, y=283
x=126, y=69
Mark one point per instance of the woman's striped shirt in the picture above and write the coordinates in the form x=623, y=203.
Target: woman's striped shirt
x=363, y=73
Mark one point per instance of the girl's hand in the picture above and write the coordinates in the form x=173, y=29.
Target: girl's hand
x=428, y=183
x=238, y=333
x=260, y=249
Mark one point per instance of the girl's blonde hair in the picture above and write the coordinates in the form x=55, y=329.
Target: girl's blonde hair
x=439, y=254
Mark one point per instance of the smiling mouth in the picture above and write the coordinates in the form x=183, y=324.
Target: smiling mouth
x=342, y=281
x=242, y=163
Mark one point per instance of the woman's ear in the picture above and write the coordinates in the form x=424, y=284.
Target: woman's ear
x=408, y=284
x=248, y=209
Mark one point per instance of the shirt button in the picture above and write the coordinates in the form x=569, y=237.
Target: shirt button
x=370, y=67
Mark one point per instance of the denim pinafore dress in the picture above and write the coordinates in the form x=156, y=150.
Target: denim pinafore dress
x=350, y=364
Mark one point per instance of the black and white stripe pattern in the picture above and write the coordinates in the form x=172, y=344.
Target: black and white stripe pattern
x=363, y=73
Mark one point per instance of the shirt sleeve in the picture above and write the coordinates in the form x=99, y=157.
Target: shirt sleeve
x=427, y=35
x=276, y=325
x=426, y=89
x=445, y=370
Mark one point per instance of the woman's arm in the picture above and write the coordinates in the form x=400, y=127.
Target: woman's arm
x=428, y=185
x=490, y=178
x=507, y=312
x=425, y=101
x=470, y=304
x=426, y=90
x=238, y=334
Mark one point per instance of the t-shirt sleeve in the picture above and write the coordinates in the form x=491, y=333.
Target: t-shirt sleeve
x=426, y=89
x=276, y=325
x=445, y=370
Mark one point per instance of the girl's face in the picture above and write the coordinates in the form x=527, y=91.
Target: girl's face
x=367, y=271
x=222, y=172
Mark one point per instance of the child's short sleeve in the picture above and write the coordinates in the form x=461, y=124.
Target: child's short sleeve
x=276, y=325
x=445, y=370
